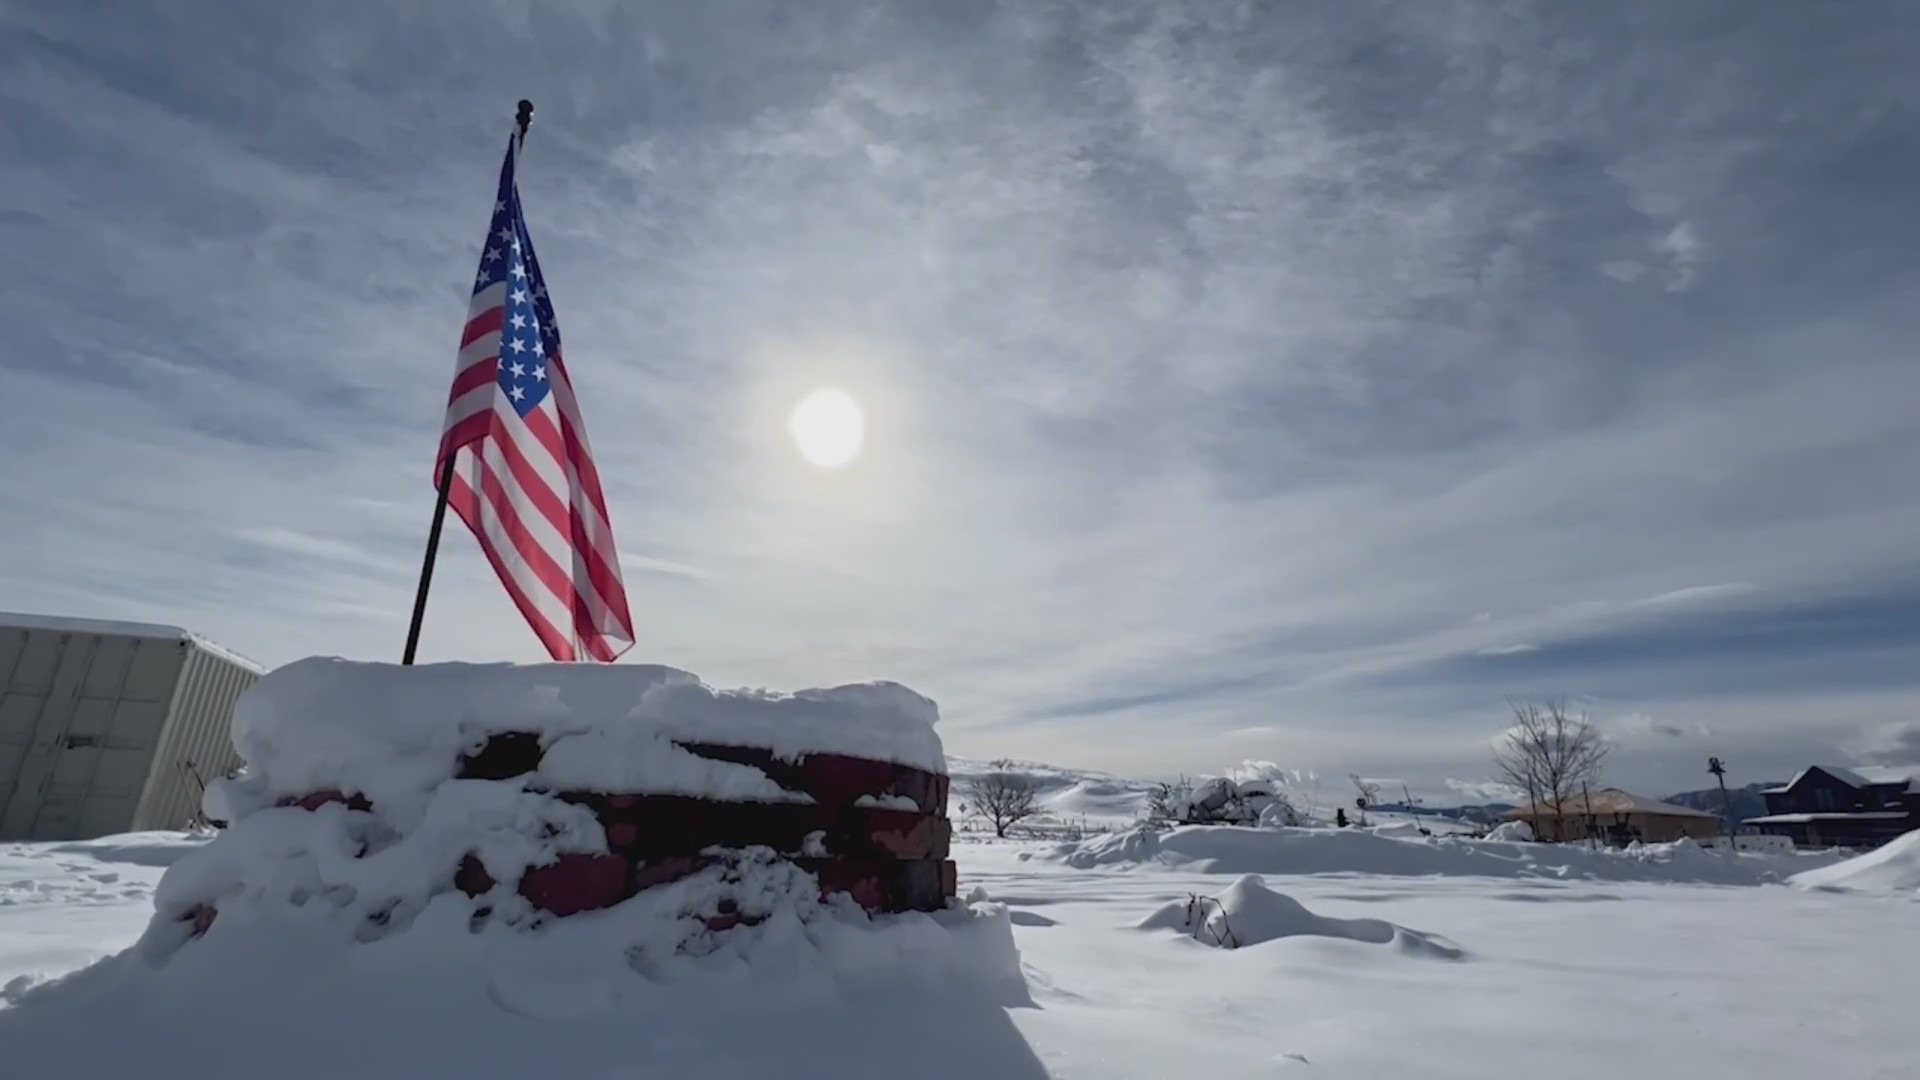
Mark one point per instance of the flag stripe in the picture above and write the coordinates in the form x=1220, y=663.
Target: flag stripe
x=487, y=316
x=539, y=576
x=566, y=521
x=577, y=462
x=479, y=375
x=550, y=527
x=461, y=499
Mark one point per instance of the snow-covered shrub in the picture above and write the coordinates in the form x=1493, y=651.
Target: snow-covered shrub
x=1220, y=800
x=1511, y=830
x=1250, y=913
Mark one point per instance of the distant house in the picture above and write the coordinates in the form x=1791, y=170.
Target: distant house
x=1617, y=817
x=1826, y=806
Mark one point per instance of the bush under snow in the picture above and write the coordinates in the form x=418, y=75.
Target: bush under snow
x=1512, y=832
x=1250, y=913
x=1224, y=801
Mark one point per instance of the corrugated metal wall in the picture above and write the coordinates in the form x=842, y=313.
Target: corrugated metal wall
x=98, y=725
x=198, y=739
x=80, y=714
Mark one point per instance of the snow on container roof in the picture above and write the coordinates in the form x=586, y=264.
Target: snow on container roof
x=62, y=624
x=386, y=729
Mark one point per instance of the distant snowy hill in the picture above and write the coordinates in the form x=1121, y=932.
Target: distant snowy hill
x=1102, y=799
x=1487, y=814
x=1747, y=801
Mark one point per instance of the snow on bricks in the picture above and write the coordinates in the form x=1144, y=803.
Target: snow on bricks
x=553, y=790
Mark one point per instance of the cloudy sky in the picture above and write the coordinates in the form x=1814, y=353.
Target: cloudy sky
x=1288, y=382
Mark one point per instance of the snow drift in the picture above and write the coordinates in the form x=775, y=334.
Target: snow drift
x=1228, y=850
x=344, y=912
x=1892, y=867
x=1250, y=913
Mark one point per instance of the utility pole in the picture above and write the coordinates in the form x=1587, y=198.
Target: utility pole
x=1586, y=801
x=1719, y=772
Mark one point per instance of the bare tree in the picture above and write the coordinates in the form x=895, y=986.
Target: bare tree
x=1550, y=754
x=1003, y=796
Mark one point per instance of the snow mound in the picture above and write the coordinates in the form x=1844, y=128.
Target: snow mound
x=1399, y=830
x=391, y=911
x=1250, y=913
x=1229, y=850
x=1512, y=832
x=1892, y=867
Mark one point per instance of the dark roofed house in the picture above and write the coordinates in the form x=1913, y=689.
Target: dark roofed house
x=1827, y=806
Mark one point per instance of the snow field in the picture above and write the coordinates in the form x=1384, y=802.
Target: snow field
x=65, y=905
x=1575, y=977
x=1568, y=977
x=341, y=947
x=1398, y=850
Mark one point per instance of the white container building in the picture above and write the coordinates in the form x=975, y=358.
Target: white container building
x=110, y=727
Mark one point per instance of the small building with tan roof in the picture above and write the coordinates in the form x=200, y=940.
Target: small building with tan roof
x=1617, y=817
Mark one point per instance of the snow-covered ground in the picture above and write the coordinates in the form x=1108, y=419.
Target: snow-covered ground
x=331, y=938
x=63, y=906
x=1618, y=965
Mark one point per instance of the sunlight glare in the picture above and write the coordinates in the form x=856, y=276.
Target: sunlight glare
x=828, y=427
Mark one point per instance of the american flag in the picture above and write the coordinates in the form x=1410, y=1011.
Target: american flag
x=523, y=476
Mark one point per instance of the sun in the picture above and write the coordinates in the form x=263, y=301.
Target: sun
x=828, y=427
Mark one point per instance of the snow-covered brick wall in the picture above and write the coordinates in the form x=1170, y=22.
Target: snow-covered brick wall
x=506, y=800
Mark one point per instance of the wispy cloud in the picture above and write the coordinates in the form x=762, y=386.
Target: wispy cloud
x=1485, y=790
x=1694, y=594
x=1507, y=650
x=1638, y=725
x=1220, y=374
x=1894, y=743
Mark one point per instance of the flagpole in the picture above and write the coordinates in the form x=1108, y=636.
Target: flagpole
x=522, y=120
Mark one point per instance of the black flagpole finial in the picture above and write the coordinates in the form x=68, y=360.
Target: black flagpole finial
x=524, y=118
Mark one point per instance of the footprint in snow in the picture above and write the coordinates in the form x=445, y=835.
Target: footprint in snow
x=107, y=878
